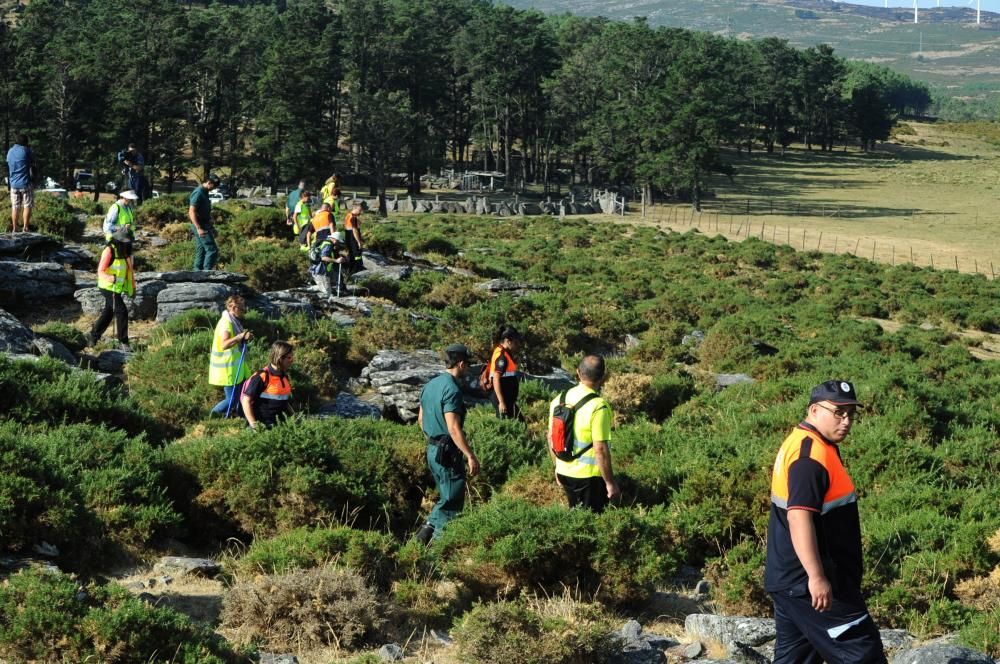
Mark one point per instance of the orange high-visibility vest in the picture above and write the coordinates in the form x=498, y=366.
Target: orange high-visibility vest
x=841, y=489
x=511, y=371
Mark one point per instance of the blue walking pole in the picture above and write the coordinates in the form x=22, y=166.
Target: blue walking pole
x=239, y=368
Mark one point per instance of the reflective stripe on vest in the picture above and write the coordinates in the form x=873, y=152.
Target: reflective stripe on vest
x=223, y=363
x=303, y=217
x=809, y=443
x=277, y=388
x=121, y=276
x=586, y=464
x=511, y=371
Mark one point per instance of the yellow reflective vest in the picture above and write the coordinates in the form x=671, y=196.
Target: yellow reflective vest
x=223, y=364
x=591, y=423
x=125, y=218
x=118, y=277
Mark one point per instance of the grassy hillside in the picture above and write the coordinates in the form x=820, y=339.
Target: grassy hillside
x=693, y=460
x=946, y=48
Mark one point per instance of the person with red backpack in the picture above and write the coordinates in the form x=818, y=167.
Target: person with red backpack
x=267, y=393
x=501, y=379
x=580, y=439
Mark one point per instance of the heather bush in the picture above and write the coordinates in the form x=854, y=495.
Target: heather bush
x=519, y=633
x=301, y=472
x=159, y=212
x=303, y=609
x=260, y=222
x=47, y=617
x=370, y=553
x=67, y=335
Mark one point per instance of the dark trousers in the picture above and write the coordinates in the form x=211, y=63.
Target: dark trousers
x=355, y=262
x=588, y=492
x=510, y=388
x=449, y=476
x=206, y=252
x=114, y=307
x=844, y=634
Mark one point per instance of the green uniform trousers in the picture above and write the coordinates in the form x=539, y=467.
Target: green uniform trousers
x=449, y=476
x=206, y=252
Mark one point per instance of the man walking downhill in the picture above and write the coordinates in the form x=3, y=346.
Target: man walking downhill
x=814, y=563
x=589, y=481
x=206, y=252
x=21, y=173
x=441, y=417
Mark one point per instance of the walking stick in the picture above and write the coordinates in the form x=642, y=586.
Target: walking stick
x=339, y=266
x=239, y=368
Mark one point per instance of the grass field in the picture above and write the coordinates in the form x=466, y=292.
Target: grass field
x=934, y=192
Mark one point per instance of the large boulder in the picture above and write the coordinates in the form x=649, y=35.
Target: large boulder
x=399, y=376
x=496, y=286
x=193, y=277
x=91, y=300
x=51, y=348
x=29, y=283
x=386, y=273
x=21, y=246
x=177, y=299
x=349, y=406
x=74, y=255
x=737, y=634
x=15, y=338
x=941, y=653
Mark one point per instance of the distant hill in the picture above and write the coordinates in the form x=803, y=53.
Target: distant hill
x=946, y=47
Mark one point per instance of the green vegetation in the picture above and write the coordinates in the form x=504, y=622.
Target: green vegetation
x=317, y=499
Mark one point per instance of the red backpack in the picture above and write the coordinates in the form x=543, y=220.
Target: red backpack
x=561, y=432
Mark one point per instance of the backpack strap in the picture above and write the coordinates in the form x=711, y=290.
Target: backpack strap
x=576, y=409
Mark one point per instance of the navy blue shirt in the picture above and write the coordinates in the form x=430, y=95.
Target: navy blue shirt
x=19, y=163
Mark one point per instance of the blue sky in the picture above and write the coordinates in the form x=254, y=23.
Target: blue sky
x=986, y=5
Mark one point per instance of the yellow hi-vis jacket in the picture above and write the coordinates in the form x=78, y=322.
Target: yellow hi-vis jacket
x=224, y=362
x=591, y=423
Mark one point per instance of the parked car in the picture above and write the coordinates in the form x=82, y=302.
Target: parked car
x=84, y=181
x=216, y=196
x=58, y=192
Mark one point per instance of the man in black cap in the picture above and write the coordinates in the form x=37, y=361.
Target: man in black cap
x=206, y=252
x=441, y=417
x=814, y=562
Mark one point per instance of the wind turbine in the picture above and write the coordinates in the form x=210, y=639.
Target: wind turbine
x=916, y=15
x=977, y=10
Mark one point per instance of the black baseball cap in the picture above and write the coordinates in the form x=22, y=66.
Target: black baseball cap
x=838, y=392
x=458, y=349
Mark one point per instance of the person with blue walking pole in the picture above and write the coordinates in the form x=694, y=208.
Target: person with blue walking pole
x=226, y=367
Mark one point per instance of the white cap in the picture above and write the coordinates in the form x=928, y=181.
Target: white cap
x=129, y=195
x=339, y=236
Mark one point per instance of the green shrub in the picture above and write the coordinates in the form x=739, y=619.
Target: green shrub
x=303, y=609
x=433, y=244
x=45, y=616
x=67, y=335
x=50, y=214
x=369, y=553
x=260, y=222
x=158, y=212
x=737, y=581
x=301, y=472
x=269, y=264
x=48, y=392
x=514, y=633
x=428, y=603
x=502, y=447
x=88, y=206
x=83, y=488
x=507, y=545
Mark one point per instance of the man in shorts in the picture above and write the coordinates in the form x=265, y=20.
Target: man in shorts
x=21, y=171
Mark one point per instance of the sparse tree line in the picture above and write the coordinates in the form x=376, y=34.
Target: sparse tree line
x=273, y=91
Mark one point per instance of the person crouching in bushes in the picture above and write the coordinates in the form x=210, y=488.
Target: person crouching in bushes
x=226, y=367
x=504, y=377
x=115, y=278
x=267, y=393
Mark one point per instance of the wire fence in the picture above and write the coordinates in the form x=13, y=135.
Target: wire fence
x=739, y=221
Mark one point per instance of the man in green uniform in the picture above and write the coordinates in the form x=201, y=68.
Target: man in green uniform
x=206, y=252
x=441, y=417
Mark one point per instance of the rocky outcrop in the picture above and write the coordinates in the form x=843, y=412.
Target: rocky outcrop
x=178, y=298
x=29, y=283
x=50, y=348
x=941, y=653
x=350, y=407
x=497, y=286
x=398, y=377
x=638, y=647
x=180, y=566
x=15, y=338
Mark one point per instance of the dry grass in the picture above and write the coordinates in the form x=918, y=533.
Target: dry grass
x=930, y=196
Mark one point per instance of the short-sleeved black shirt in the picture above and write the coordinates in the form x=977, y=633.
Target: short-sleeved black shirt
x=838, y=532
x=266, y=411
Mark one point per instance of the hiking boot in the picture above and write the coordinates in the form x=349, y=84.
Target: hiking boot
x=425, y=534
x=122, y=346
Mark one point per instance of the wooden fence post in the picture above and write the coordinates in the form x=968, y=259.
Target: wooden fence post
x=819, y=241
x=803, y=239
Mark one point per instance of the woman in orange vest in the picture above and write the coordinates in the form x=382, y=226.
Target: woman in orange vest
x=267, y=394
x=503, y=372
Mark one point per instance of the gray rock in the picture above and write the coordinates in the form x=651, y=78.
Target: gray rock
x=175, y=300
x=15, y=337
x=941, y=654
x=269, y=658
x=85, y=278
x=91, y=300
x=21, y=245
x=73, y=255
x=135, y=586
x=34, y=282
x=728, y=380
x=731, y=631
x=483, y=206
x=179, y=566
x=693, y=650
x=261, y=202
x=349, y=406
x=631, y=341
x=293, y=300
x=506, y=286
x=343, y=320
x=399, y=376
x=46, y=549
x=703, y=588
x=391, y=652
x=442, y=637
x=896, y=639
x=528, y=209
x=630, y=631
x=694, y=339
x=558, y=379
x=143, y=305
x=193, y=277
x=112, y=361
x=386, y=273
x=50, y=348
x=373, y=260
